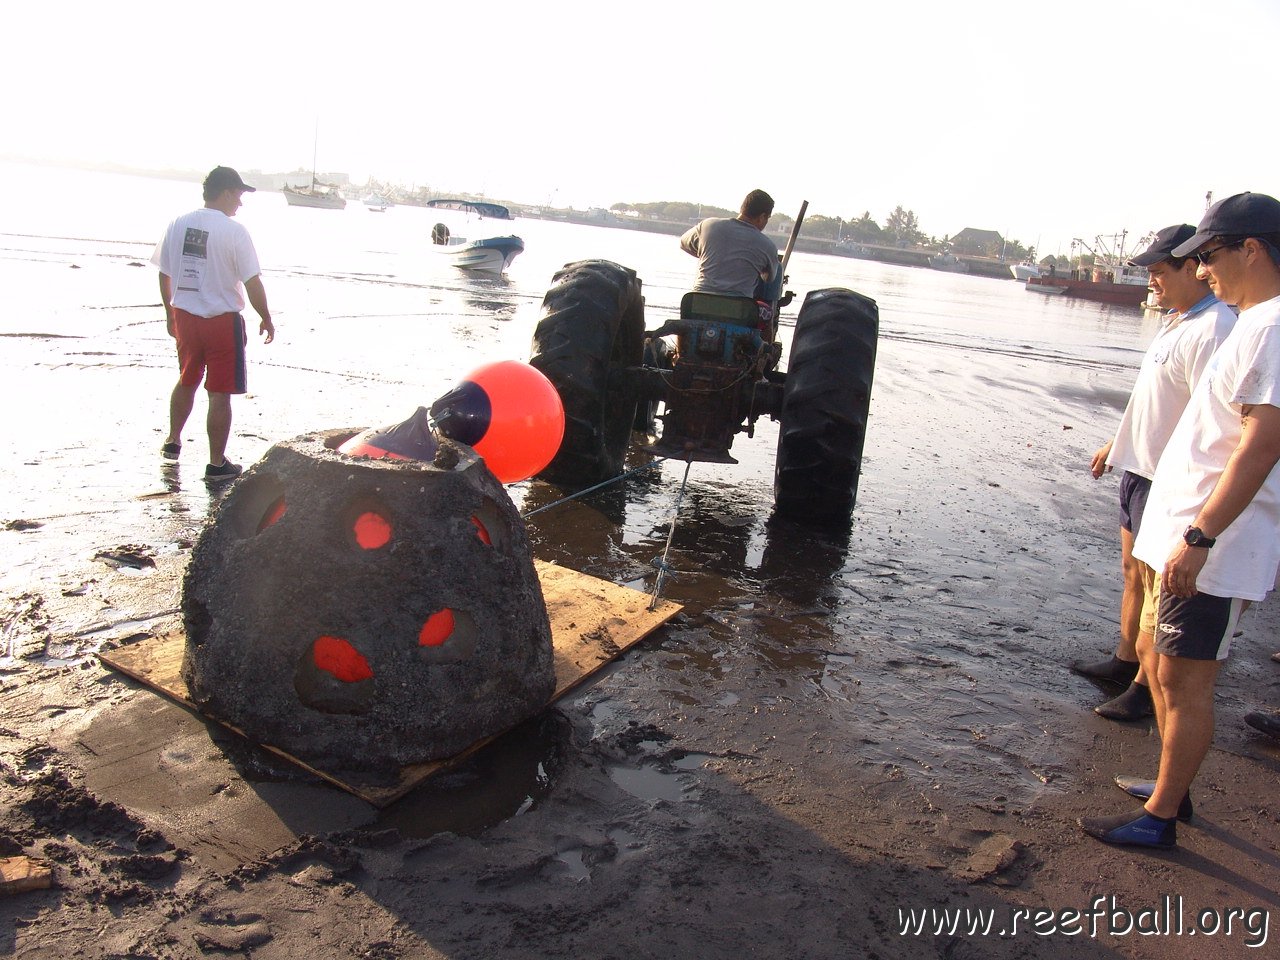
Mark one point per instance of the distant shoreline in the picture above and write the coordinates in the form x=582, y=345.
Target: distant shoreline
x=596, y=217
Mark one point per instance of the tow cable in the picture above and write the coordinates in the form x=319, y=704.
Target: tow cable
x=660, y=563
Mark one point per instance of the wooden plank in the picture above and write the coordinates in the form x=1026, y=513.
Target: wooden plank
x=592, y=622
x=20, y=874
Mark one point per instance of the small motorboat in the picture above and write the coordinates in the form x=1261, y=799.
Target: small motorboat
x=1023, y=272
x=490, y=255
x=948, y=262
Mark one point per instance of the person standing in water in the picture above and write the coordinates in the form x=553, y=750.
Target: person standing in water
x=208, y=266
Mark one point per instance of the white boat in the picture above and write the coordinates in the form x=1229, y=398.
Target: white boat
x=1022, y=272
x=490, y=255
x=375, y=203
x=320, y=195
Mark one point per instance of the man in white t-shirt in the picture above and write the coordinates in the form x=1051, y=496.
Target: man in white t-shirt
x=1211, y=530
x=1194, y=324
x=207, y=266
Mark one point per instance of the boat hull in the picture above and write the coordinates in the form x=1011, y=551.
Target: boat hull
x=1024, y=271
x=491, y=255
x=319, y=201
x=1127, y=294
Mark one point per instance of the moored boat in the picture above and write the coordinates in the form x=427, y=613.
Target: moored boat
x=1100, y=286
x=948, y=262
x=322, y=196
x=490, y=255
x=1024, y=271
x=1111, y=279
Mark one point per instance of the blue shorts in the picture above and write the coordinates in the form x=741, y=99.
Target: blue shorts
x=1199, y=627
x=1133, y=500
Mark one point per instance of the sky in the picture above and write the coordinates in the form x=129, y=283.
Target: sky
x=1044, y=122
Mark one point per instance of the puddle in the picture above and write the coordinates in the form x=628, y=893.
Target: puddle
x=574, y=865
x=506, y=779
x=627, y=843
x=648, y=783
x=691, y=761
x=654, y=783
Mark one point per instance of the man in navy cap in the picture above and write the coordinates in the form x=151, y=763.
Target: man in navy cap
x=1212, y=523
x=1195, y=322
x=208, y=266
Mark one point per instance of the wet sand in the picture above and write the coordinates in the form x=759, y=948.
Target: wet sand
x=836, y=728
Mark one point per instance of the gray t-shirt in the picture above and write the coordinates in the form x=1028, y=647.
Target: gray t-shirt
x=732, y=256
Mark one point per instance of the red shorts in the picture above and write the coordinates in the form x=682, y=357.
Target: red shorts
x=215, y=344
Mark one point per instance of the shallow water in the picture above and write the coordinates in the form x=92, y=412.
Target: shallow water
x=929, y=636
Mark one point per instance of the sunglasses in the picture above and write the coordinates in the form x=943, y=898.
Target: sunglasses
x=1206, y=256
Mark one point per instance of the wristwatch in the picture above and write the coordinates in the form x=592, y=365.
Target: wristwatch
x=1194, y=537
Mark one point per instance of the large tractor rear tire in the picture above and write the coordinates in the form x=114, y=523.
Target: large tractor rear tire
x=592, y=325
x=824, y=406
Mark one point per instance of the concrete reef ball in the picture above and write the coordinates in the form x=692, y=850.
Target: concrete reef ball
x=366, y=614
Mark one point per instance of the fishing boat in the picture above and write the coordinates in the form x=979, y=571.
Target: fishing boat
x=1110, y=279
x=324, y=196
x=490, y=255
x=1024, y=271
x=376, y=203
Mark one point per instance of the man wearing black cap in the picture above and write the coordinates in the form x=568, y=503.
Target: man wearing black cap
x=1212, y=523
x=1195, y=322
x=207, y=266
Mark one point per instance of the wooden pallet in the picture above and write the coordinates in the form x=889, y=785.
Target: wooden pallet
x=592, y=622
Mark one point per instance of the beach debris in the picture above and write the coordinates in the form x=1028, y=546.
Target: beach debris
x=21, y=525
x=133, y=555
x=990, y=858
x=20, y=874
x=22, y=614
x=366, y=613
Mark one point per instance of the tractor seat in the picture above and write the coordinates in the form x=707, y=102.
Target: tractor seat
x=723, y=307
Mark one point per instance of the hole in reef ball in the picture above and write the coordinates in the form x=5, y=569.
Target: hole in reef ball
x=372, y=530
x=274, y=513
x=339, y=658
x=437, y=628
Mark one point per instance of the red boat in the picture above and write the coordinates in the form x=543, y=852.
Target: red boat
x=1131, y=293
x=1110, y=280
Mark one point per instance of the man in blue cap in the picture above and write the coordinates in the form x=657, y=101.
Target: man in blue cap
x=1212, y=524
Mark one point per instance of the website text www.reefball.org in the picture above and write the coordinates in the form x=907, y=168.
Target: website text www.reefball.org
x=1104, y=917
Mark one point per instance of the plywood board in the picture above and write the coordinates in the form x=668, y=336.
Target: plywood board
x=592, y=622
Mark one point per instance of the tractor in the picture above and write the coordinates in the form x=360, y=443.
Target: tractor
x=719, y=379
